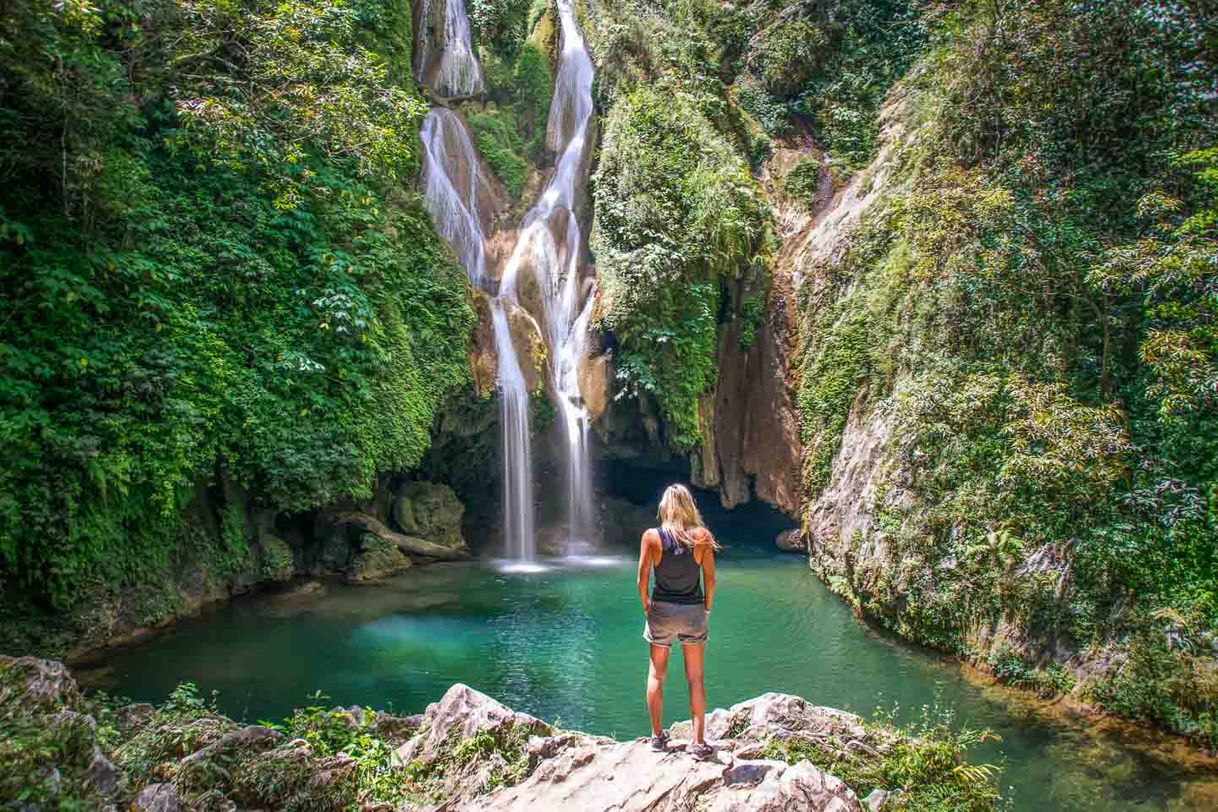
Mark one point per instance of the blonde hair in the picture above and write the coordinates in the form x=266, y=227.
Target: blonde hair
x=679, y=516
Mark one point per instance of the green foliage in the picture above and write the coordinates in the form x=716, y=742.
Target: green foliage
x=1045, y=682
x=208, y=267
x=677, y=214
x=829, y=385
x=46, y=758
x=276, y=559
x=498, y=142
x=925, y=760
x=533, y=84
x=752, y=314
x=500, y=25
x=785, y=54
x=351, y=732
x=234, y=546
x=803, y=179
x=510, y=132
x=828, y=65
x=1036, y=283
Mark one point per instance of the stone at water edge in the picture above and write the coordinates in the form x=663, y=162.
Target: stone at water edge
x=791, y=541
x=568, y=770
x=431, y=511
x=378, y=558
x=631, y=776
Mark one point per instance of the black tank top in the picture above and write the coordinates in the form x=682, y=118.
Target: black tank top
x=678, y=576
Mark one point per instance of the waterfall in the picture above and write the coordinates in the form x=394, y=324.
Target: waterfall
x=458, y=72
x=450, y=188
x=551, y=243
x=517, y=454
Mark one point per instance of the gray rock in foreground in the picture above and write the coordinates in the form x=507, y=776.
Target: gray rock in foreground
x=566, y=770
x=466, y=752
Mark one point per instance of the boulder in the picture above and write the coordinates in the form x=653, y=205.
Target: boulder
x=881, y=799
x=430, y=511
x=156, y=798
x=791, y=541
x=275, y=559
x=362, y=524
x=378, y=558
x=34, y=685
x=630, y=776
x=463, y=713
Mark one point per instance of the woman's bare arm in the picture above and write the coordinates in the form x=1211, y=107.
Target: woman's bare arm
x=646, y=547
x=707, y=543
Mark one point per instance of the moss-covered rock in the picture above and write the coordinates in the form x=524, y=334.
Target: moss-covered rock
x=378, y=557
x=431, y=511
x=275, y=559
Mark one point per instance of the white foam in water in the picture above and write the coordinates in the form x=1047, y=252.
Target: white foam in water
x=517, y=567
x=594, y=561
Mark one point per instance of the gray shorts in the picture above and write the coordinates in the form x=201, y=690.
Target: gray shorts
x=669, y=621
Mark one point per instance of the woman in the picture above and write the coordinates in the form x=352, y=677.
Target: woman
x=679, y=551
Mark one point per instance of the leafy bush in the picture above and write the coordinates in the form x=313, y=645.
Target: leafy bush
x=498, y=142
x=1047, y=682
x=925, y=762
x=206, y=278
x=676, y=213
x=803, y=179
x=1038, y=355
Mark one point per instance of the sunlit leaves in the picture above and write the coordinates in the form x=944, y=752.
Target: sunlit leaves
x=676, y=213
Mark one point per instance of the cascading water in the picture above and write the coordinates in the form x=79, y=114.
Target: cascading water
x=450, y=188
x=517, y=453
x=550, y=242
x=458, y=72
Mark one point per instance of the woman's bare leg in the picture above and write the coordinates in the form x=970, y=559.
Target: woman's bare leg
x=693, y=656
x=655, y=686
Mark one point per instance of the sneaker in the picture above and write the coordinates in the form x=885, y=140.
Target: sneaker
x=701, y=752
x=660, y=743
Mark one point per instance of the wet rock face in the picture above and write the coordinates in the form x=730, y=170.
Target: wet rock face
x=750, y=430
